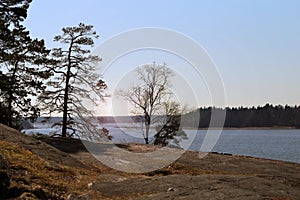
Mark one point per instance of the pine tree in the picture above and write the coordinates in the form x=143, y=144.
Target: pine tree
x=21, y=59
x=74, y=81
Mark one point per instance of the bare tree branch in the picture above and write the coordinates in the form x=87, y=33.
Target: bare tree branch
x=151, y=98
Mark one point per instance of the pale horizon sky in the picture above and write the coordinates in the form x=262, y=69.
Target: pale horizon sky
x=254, y=43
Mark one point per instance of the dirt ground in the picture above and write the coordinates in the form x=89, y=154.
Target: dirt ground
x=76, y=174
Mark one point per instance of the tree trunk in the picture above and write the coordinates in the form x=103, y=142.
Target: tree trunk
x=65, y=112
x=66, y=95
x=65, y=109
x=10, y=96
x=10, y=111
x=147, y=124
x=146, y=138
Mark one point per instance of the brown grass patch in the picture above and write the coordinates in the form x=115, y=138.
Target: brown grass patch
x=28, y=172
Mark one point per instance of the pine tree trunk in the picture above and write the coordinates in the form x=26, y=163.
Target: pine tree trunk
x=10, y=111
x=66, y=95
x=65, y=113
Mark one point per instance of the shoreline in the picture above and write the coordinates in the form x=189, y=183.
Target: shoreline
x=218, y=128
x=58, y=162
x=246, y=128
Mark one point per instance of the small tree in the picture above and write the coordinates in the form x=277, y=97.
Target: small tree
x=75, y=80
x=169, y=127
x=151, y=99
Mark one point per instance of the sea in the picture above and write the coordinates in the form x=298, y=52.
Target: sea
x=274, y=144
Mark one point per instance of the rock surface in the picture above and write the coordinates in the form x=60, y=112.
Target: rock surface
x=57, y=168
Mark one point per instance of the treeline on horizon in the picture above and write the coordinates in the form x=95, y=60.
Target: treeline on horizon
x=236, y=117
x=261, y=116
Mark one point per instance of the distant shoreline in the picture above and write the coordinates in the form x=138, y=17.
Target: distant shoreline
x=246, y=128
x=227, y=128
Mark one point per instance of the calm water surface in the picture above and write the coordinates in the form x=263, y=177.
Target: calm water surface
x=271, y=144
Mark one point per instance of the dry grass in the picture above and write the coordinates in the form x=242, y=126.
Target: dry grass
x=28, y=172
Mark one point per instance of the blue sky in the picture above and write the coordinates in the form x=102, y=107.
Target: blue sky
x=254, y=43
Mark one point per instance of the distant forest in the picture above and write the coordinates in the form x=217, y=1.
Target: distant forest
x=239, y=117
x=261, y=116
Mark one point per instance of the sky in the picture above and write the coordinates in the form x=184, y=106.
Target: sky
x=255, y=44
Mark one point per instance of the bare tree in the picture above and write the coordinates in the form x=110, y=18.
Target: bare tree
x=74, y=81
x=152, y=100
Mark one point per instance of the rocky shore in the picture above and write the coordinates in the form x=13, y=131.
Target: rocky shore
x=56, y=168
